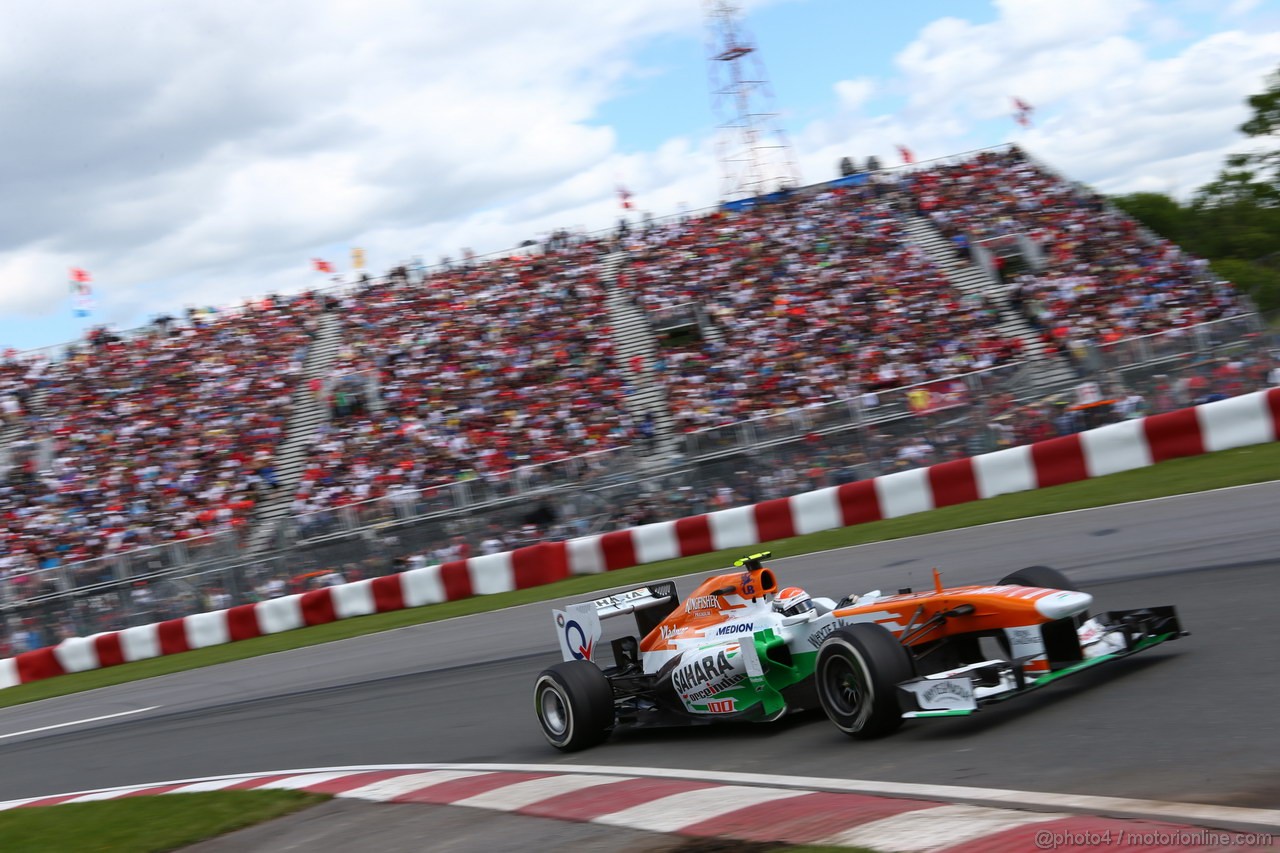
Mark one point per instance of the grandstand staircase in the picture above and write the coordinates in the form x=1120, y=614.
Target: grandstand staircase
x=1048, y=371
x=633, y=336
x=11, y=433
x=305, y=418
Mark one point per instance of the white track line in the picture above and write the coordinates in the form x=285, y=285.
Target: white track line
x=1176, y=812
x=1195, y=813
x=78, y=722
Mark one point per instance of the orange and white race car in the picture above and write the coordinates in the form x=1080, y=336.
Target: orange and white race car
x=740, y=648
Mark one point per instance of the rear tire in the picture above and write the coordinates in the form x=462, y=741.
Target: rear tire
x=574, y=704
x=857, y=674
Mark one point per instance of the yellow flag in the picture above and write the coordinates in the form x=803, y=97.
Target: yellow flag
x=357, y=259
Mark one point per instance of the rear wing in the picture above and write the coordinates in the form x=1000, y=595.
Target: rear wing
x=578, y=625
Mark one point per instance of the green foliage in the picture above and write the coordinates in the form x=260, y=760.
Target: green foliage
x=1234, y=220
x=1158, y=212
x=1265, y=122
x=1253, y=177
x=1244, y=229
x=1260, y=281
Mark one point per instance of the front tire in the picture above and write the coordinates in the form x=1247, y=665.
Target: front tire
x=1041, y=576
x=1060, y=634
x=857, y=674
x=574, y=704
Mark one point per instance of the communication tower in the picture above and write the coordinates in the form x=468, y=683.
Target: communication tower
x=755, y=156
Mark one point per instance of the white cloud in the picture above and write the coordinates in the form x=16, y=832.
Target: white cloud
x=1238, y=8
x=151, y=140
x=1106, y=111
x=1167, y=122
x=852, y=94
x=200, y=153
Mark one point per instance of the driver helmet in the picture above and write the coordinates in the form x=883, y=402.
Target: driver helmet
x=792, y=601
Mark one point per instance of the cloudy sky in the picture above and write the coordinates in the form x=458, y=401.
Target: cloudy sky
x=198, y=153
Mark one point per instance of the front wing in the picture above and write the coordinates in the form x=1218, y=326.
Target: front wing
x=966, y=690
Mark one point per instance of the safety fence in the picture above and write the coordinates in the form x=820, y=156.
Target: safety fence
x=1234, y=422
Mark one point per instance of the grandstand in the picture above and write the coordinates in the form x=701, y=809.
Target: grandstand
x=874, y=323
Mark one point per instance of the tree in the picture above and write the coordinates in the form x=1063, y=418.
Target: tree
x=1266, y=123
x=1260, y=281
x=1254, y=177
x=1158, y=212
x=1234, y=220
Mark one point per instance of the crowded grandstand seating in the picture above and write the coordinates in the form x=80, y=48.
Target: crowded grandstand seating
x=480, y=369
x=816, y=298
x=1103, y=280
x=18, y=378
x=487, y=367
x=165, y=435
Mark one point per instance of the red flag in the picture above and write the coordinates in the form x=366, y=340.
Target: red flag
x=1022, y=112
x=80, y=275
x=907, y=156
x=321, y=266
x=624, y=196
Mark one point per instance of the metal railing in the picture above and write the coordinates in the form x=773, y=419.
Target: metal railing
x=476, y=489
x=1241, y=330
x=678, y=316
x=851, y=412
x=121, y=567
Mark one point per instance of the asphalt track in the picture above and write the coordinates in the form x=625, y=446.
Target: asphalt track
x=1192, y=721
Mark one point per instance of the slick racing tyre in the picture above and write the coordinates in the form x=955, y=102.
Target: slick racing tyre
x=1041, y=576
x=857, y=674
x=574, y=703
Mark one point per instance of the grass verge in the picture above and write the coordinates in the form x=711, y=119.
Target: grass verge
x=144, y=824
x=1242, y=466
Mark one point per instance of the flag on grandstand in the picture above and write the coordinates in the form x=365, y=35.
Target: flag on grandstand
x=83, y=299
x=357, y=259
x=624, y=196
x=1022, y=112
x=321, y=265
x=907, y=156
x=81, y=291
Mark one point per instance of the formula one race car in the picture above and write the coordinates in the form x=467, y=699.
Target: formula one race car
x=739, y=648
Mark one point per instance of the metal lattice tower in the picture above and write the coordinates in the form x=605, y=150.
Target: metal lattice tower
x=755, y=156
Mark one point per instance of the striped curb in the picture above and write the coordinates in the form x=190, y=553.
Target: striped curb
x=698, y=807
x=1236, y=422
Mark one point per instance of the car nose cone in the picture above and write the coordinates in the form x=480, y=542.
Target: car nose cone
x=1060, y=605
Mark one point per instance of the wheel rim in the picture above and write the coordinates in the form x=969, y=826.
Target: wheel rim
x=846, y=689
x=553, y=711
